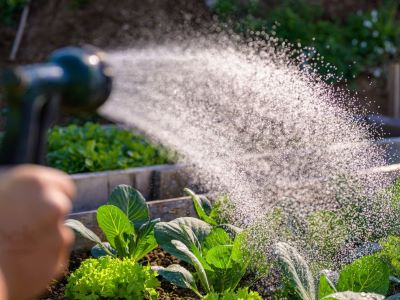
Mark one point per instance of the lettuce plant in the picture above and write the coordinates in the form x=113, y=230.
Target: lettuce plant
x=241, y=294
x=366, y=278
x=219, y=260
x=125, y=221
x=110, y=278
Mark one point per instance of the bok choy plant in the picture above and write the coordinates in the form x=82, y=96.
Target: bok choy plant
x=366, y=278
x=125, y=221
x=219, y=259
x=204, y=209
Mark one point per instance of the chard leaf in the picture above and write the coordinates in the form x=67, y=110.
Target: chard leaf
x=200, y=206
x=82, y=230
x=201, y=273
x=114, y=223
x=367, y=274
x=217, y=237
x=353, y=296
x=102, y=250
x=326, y=287
x=189, y=231
x=178, y=275
x=220, y=256
x=131, y=202
x=297, y=270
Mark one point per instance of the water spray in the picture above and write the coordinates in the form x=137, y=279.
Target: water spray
x=73, y=80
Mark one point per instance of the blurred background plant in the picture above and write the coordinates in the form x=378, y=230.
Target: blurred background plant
x=338, y=47
x=92, y=147
x=9, y=8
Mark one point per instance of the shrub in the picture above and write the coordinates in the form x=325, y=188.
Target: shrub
x=89, y=148
x=110, y=278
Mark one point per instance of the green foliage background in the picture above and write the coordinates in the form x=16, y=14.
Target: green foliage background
x=335, y=46
x=91, y=147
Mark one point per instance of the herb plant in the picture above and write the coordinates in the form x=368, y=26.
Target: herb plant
x=92, y=147
x=110, y=278
x=125, y=221
x=220, y=260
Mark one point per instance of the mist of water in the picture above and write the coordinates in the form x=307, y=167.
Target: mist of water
x=250, y=121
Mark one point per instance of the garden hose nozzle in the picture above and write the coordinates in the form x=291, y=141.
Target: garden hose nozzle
x=75, y=80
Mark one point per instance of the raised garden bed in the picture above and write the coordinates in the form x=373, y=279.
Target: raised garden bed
x=166, y=210
x=154, y=182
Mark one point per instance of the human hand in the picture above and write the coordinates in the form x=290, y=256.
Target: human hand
x=34, y=243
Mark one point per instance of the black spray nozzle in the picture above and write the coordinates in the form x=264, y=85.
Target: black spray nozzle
x=73, y=79
x=87, y=78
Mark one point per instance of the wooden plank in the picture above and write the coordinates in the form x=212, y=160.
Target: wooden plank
x=166, y=210
x=93, y=189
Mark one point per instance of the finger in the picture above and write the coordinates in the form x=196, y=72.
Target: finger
x=67, y=240
x=49, y=208
x=47, y=176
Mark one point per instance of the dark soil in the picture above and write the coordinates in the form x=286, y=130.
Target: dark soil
x=157, y=257
x=102, y=23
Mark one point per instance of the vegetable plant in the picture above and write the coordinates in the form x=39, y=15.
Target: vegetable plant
x=241, y=294
x=325, y=234
x=219, y=260
x=210, y=213
x=368, y=276
x=92, y=147
x=110, y=278
x=125, y=221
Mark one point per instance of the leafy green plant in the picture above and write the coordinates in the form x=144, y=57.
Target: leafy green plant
x=391, y=252
x=110, y=278
x=366, y=276
x=326, y=233
x=125, y=221
x=92, y=147
x=220, y=260
x=241, y=294
x=337, y=48
x=210, y=213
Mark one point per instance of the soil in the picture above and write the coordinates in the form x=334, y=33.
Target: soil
x=157, y=257
x=102, y=23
